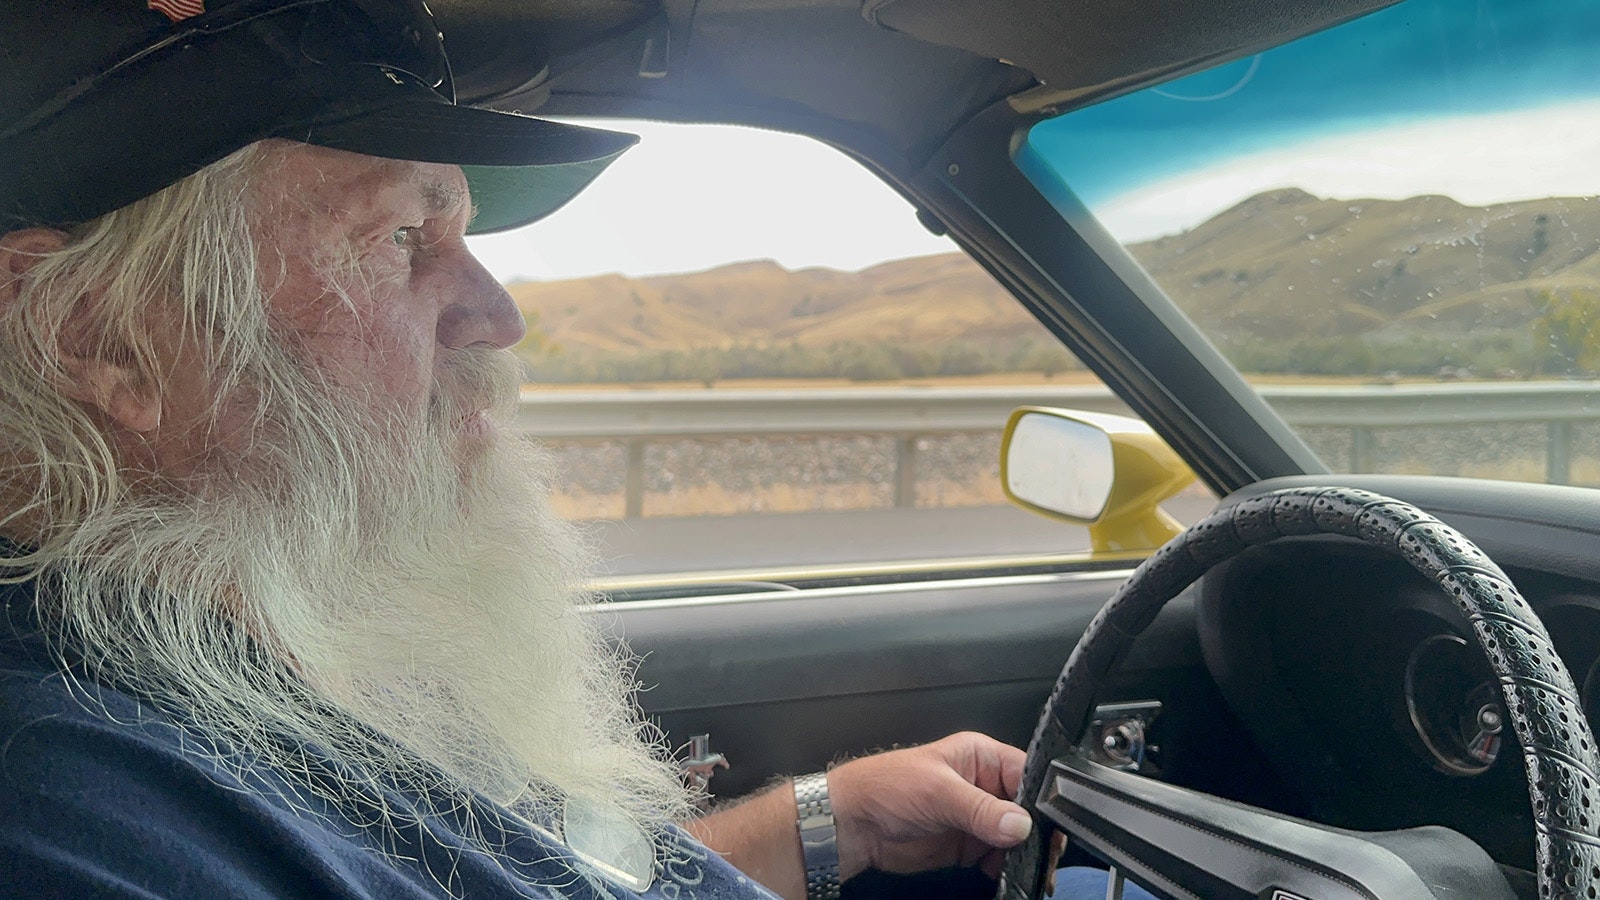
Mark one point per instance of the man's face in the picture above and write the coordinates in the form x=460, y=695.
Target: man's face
x=370, y=283
x=329, y=480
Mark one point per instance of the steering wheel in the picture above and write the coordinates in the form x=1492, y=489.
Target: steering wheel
x=1190, y=845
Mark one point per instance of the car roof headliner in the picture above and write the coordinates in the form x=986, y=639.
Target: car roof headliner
x=889, y=79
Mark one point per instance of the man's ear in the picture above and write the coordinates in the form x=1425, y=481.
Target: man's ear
x=112, y=386
x=20, y=251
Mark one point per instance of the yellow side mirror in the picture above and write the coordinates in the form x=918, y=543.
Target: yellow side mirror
x=1108, y=472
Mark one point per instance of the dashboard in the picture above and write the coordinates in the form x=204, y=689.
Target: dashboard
x=1361, y=685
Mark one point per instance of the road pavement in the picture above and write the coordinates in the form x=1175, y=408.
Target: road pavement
x=708, y=543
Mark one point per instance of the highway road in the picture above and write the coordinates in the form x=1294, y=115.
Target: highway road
x=702, y=543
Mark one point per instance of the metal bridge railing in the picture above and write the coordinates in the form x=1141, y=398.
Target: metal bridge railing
x=638, y=417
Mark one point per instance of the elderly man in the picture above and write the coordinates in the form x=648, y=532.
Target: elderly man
x=286, y=615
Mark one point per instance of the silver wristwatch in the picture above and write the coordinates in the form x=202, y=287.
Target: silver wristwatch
x=819, y=846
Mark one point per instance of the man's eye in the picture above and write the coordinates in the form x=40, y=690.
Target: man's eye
x=409, y=237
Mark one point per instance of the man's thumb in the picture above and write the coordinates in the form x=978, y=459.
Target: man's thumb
x=1015, y=826
x=1002, y=823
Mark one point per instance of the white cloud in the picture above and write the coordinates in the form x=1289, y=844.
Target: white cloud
x=694, y=197
x=1547, y=152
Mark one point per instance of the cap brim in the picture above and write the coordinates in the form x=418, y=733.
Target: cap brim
x=506, y=197
x=519, y=169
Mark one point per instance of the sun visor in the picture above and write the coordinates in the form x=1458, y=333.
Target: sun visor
x=1086, y=50
x=501, y=50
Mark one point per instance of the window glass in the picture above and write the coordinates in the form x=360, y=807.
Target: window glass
x=747, y=354
x=1390, y=227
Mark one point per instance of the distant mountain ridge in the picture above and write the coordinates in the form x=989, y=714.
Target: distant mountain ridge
x=1278, y=265
x=1287, y=263
x=916, y=300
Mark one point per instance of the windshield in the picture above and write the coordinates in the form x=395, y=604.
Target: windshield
x=1389, y=227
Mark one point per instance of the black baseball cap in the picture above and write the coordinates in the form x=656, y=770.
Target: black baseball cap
x=108, y=101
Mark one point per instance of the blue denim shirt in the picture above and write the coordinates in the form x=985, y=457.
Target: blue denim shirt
x=102, y=799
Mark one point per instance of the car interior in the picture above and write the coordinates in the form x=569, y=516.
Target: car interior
x=1316, y=680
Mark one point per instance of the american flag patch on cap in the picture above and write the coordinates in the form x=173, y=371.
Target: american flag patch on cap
x=178, y=10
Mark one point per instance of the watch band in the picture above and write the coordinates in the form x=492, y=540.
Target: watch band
x=819, y=846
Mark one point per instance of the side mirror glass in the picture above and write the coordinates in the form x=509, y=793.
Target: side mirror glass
x=1058, y=465
x=1105, y=471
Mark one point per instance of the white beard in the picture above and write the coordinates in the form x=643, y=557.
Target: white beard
x=425, y=590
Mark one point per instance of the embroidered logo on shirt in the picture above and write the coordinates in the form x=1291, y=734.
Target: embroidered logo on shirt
x=679, y=869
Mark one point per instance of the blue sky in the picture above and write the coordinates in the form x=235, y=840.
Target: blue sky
x=1420, y=60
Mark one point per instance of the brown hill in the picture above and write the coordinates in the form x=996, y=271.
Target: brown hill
x=1281, y=264
x=924, y=299
x=1286, y=263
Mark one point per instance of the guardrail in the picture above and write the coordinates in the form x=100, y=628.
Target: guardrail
x=637, y=417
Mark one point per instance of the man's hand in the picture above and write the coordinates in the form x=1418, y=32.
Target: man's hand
x=939, y=805
x=931, y=807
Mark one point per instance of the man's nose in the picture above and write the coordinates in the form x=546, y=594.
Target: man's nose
x=480, y=313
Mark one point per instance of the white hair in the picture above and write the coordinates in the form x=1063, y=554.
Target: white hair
x=417, y=618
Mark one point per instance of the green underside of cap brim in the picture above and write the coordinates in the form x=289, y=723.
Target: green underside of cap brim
x=509, y=197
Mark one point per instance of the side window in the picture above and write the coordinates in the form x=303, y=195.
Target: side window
x=748, y=356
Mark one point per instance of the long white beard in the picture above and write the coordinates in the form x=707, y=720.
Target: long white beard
x=421, y=587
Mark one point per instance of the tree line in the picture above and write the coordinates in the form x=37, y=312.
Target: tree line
x=1563, y=339
x=858, y=360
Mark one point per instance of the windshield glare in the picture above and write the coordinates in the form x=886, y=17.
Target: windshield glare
x=1390, y=227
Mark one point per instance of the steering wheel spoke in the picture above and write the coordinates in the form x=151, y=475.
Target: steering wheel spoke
x=1183, y=843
